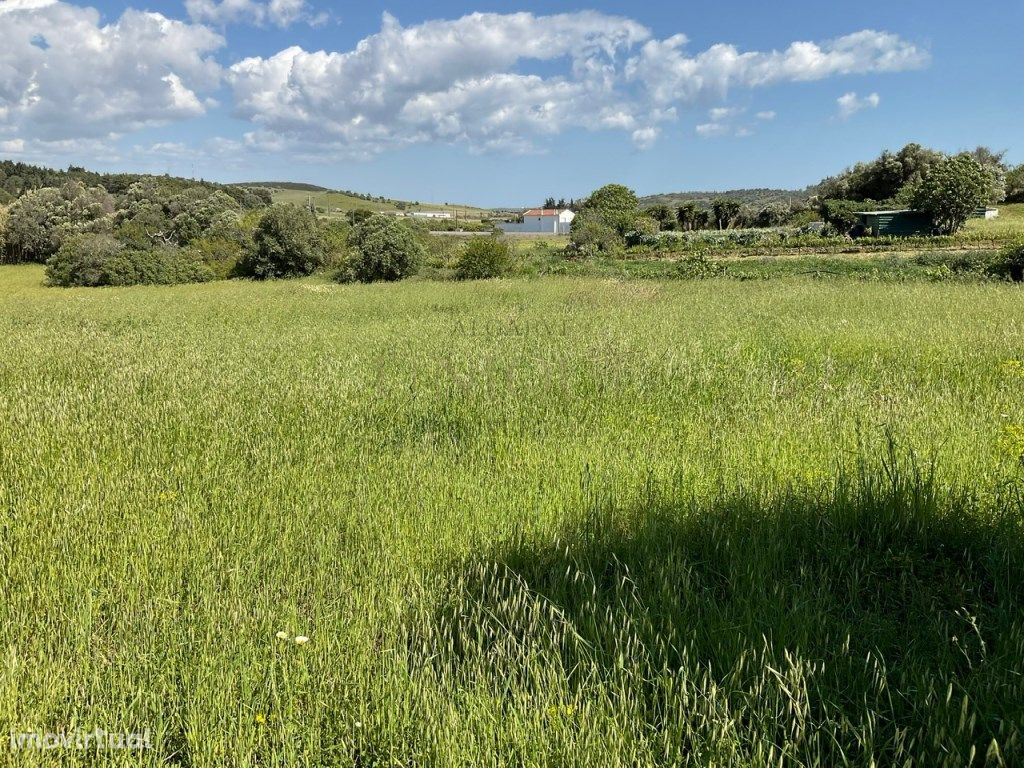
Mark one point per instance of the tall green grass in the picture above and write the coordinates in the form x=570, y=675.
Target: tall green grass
x=531, y=522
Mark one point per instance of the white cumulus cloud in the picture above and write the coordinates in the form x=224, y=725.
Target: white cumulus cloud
x=850, y=104
x=462, y=81
x=499, y=82
x=65, y=75
x=280, y=13
x=670, y=74
x=445, y=81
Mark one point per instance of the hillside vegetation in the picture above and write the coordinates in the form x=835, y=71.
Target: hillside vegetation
x=752, y=197
x=333, y=202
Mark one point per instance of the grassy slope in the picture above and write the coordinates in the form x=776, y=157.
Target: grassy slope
x=333, y=200
x=523, y=522
x=1010, y=222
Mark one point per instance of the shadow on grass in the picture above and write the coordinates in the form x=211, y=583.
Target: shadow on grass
x=879, y=619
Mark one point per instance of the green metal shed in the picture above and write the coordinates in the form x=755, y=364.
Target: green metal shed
x=895, y=223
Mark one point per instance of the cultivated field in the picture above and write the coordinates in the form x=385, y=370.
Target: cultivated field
x=559, y=521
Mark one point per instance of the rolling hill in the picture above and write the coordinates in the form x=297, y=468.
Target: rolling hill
x=753, y=197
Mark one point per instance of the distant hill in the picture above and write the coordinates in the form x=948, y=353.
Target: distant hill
x=752, y=197
x=333, y=202
x=17, y=178
x=293, y=185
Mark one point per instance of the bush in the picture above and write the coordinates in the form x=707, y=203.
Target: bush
x=841, y=214
x=95, y=260
x=643, y=232
x=697, y=267
x=484, y=257
x=286, y=243
x=1011, y=262
x=222, y=255
x=383, y=248
x=590, y=236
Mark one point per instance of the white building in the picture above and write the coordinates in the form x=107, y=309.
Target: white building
x=552, y=221
x=431, y=215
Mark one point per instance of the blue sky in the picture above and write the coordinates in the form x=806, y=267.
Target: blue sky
x=427, y=101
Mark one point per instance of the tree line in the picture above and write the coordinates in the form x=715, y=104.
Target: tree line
x=158, y=230
x=949, y=188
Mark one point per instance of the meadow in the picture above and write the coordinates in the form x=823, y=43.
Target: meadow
x=529, y=522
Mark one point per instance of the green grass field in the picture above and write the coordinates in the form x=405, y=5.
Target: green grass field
x=559, y=521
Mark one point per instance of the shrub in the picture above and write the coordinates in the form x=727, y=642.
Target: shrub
x=589, y=236
x=643, y=232
x=697, y=267
x=383, y=248
x=1011, y=262
x=484, y=257
x=841, y=214
x=286, y=243
x=95, y=260
x=222, y=255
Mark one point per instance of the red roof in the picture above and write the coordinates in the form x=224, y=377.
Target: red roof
x=542, y=212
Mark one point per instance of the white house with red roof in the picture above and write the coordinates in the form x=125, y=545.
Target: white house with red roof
x=551, y=221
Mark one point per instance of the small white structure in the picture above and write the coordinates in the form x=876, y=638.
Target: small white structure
x=431, y=215
x=551, y=221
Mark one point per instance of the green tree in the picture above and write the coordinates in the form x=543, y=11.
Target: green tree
x=664, y=215
x=882, y=178
x=382, y=248
x=691, y=217
x=42, y=219
x=952, y=191
x=603, y=220
x=613, y=205
x=772, y=215
x=841, y=214
x=286, y=243
x=1015, y=185
x=725, y=210
x=993, y=162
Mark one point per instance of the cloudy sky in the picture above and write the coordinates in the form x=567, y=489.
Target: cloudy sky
x=501, y=105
